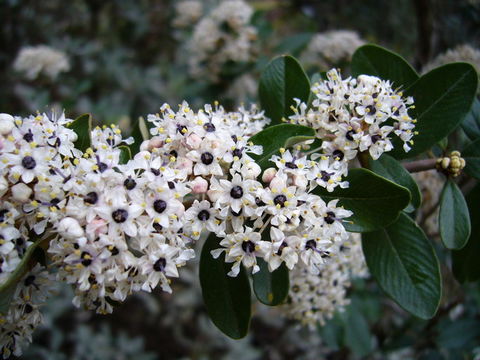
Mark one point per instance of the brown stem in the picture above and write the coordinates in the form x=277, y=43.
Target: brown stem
x=420, y=165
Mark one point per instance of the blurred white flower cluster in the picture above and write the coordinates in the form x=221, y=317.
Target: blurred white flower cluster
x=35, y=60
x=223, y=37
x=187, y=13
x=313, y=299
x=331, y=48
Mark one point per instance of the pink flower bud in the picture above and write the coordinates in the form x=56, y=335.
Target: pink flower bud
x=97, y=226
x=185, y=164
x=193, y=141
x=214, y=195
x=199, y=185
x=269, y=174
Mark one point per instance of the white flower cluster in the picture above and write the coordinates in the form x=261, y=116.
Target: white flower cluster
x=187, y=13
x=222, y=37
x=313, y=299
x=23, y=315
x=34, y=164
x=35, y=60
x=352, y=115
x=463, y=52
x=331, y=48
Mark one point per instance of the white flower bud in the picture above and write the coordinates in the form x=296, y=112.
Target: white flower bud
x=70, y=229
x=214, y=195
x=199, y=185
x=3, y=186
x=300, y=181
x=21, y=192
x=251, y=170
x=6, y=123
x=268, y=175
x=193, y=141
x=97, y=227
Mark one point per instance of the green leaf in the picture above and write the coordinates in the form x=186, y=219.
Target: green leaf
x=271, y=288
x=282, y=80
x=471, y=154
x=7, y=289
x=357, y=332
x=391, y=169
x=403, y=262
x=226, y=298
x=82, y=127
x=471, y=124
x=375, y=201
x=443, y=98
x=454, y=220
x=465, y=264
x=125, y=154
x=377, y=61
x=294, y=44
x=275, y=137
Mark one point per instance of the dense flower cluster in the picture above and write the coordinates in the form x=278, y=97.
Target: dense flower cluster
x=115, y=225
x=23, y=315
x=35, y=60
x=35, y=164
x=331, y=48
x=313, y=299
x=222, y=37
x=352, y=115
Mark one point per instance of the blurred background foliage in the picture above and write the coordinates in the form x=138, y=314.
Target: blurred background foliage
x=126, y=59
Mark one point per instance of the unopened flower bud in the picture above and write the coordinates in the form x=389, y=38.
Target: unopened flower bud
x=21, y=192
x=70, y=229
x=300, y=181
x=193, y=141
x=155, y=142
x=251, y=170
x=6, y=123
x=214, y=195
x=268, y=175
x=3, y=186
x=199, y=185
x=97, y=226
x=144, y=145
x=184, y=163
x=277, y=183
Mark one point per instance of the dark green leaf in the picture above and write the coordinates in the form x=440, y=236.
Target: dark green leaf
x=82, y=127
x=294, y=44
x=471, y=124
x=442, y=99
x=403, y=262
x=275, y=137
x=465, y=264
x=377, y=61
x=271, y=288
x=125, y=154
x=454, y=220
x=375, y=201
x=282, y=80
x=226, y=298
x=391, y=169
x=471, y=154
x=357, y=332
